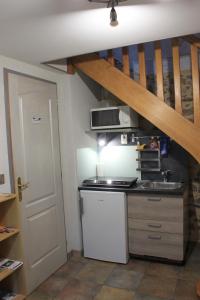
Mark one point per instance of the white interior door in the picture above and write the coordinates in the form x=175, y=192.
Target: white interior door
x=36, y=159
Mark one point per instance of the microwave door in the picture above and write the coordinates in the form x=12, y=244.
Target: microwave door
x=105, y=118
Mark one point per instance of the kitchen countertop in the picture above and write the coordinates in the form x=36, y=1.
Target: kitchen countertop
x=135, y=189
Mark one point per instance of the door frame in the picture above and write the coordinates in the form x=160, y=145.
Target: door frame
x=6, y=73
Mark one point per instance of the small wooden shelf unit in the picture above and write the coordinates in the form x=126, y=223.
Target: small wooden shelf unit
x=148, y=160
x=9, y=216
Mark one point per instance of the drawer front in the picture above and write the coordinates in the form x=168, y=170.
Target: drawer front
x=156, y=244
x=155, y=207
x=157, y=226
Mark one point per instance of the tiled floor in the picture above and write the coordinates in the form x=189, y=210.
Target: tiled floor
x=85, y=279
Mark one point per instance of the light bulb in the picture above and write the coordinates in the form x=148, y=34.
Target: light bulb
x=102, y=142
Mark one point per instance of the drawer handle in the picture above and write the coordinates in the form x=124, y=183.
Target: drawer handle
x=155, y=225
x=154, y=199
x=154, y=237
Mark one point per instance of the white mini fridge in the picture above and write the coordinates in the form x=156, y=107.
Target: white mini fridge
x=104, y=225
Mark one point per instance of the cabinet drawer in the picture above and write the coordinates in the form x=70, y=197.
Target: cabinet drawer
x=157, y=226
x=156, y=244
x=155, y=207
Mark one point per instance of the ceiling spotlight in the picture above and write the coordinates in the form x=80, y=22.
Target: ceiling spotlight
x=113, y=13
x=113, y=16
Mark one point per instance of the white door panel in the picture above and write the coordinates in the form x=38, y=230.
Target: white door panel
x=38, y=155
x=40, y=205
x=43, y=233
x=36, y=158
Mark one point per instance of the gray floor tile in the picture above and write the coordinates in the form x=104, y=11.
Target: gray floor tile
x=156, y=286
x=125, y=279
x=185, y=290
x=163, y=270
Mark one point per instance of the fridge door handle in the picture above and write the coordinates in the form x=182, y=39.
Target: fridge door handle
x=81, y=206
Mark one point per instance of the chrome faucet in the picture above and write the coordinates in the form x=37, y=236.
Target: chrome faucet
x=165, y=175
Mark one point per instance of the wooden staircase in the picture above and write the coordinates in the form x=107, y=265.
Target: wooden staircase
x=136, y=94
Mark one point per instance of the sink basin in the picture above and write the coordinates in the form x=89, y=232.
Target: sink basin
x=155, y=185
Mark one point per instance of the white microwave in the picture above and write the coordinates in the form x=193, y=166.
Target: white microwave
x=113, y=117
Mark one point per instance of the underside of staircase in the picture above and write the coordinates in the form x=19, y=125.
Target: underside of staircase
x=135, y=93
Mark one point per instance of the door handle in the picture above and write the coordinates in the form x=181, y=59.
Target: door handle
x=155, y=225
x=154, y=199
x=21, y=186
x=154, y=237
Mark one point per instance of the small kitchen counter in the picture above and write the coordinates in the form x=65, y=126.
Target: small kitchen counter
x=157, y=219
x=135, y=189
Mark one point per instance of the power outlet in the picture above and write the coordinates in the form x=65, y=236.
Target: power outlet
x=124, y=139
x=2, y=178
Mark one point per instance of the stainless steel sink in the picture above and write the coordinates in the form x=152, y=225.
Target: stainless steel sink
x=156, y=185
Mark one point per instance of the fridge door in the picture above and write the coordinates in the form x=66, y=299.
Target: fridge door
x=104, y=225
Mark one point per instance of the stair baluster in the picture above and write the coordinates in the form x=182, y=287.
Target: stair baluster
x=195, y=83
x=177, y=75
x=142, y=65
x=159, y=70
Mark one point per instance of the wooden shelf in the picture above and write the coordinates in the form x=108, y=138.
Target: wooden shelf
x=19, y=297
x=12, y=280
x=5, y=273
x=148, y=150
x=148, y=169
x=7, y=197
x=6, y=235
x=112, y=130
x=147, y=159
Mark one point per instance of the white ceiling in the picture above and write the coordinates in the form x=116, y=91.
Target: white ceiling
x=42, y=30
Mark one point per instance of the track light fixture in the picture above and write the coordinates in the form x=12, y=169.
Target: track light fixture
x=113, y=13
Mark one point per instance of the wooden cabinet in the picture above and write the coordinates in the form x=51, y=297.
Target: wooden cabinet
x=157, y=225
x=10, y=246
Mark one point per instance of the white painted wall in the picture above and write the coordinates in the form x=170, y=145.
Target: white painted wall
x=80, y=146
x=74, y=99
x=119, y=161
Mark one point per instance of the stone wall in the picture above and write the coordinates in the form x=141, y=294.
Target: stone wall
x=194, y=167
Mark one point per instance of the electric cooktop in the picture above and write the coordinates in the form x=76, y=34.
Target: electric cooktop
x=110, y=181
